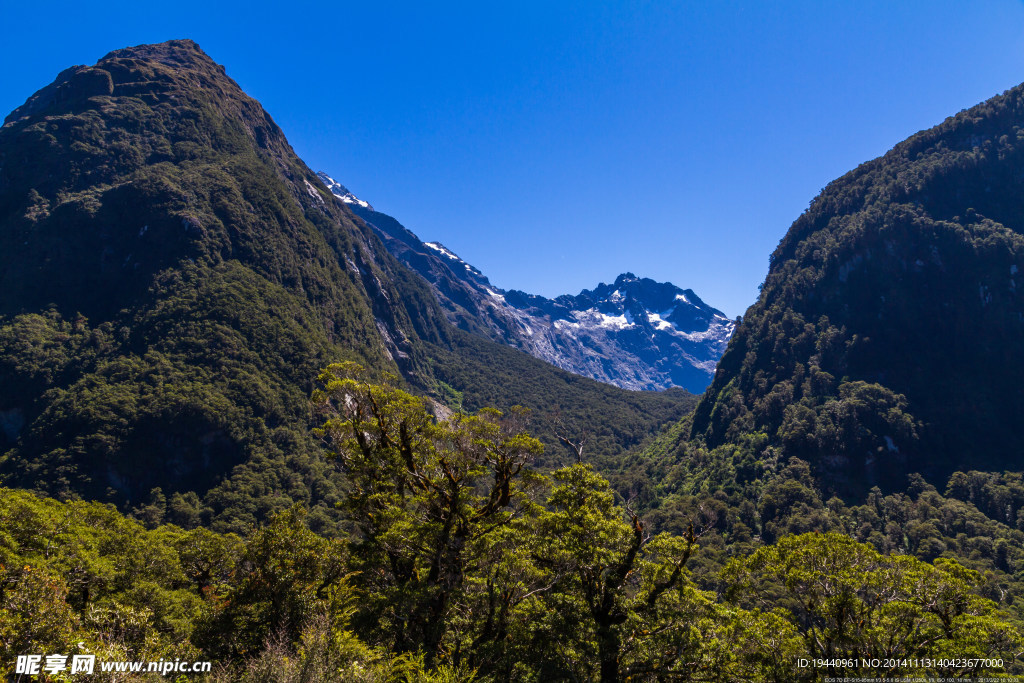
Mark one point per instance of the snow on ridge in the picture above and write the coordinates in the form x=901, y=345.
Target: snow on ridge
x=352, y=199
x=342, y=192
x=438, y=247
x=447, y=253
x=615, y=322
x=717, y=332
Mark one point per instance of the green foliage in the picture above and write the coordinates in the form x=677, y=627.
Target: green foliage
x=168, y=293
x=285, y=576
x=171, y=277
x=576, y=588
x=609, y=420
x=919, y=521
x=852, y=603
x=81, y=573
x=450, y=485
x=879, y=361
x=463, y=564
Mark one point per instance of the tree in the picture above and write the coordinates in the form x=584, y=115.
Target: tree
x=850, y=602
x=284, y=577
x=616, y=577
x=426, y=498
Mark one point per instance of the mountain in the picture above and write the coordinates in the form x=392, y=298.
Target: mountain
x=887, y=336
x=173, y=277
x=635, y=333
x=342, y=192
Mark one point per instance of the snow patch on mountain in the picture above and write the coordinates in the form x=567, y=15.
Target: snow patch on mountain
x=440, y=248
x=612, y=322
x=659, y=324
x=341, y=192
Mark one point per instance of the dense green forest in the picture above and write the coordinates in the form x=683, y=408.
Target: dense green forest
x=886, y=337
x=462, y=562
x=875, y=389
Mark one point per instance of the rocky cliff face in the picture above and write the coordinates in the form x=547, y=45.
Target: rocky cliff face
x=634, y=333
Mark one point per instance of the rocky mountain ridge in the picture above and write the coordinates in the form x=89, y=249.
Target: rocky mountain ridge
x=634, y=333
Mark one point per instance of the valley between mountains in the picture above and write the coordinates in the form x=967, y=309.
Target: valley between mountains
x=247, y=419
x=634, y=333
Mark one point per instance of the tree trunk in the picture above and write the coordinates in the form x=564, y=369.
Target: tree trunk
x=608, y=652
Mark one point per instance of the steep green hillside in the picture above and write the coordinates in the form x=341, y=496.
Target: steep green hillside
x=887, y=335
x=173, y=277
x=80, y=577
x=463, y=564
x=875, y=389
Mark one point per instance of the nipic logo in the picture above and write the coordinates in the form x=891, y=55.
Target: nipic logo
x=33, y=665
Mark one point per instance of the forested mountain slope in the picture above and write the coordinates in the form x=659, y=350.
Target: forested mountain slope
x=172, y=278
x=887, y=336
x=875, y=388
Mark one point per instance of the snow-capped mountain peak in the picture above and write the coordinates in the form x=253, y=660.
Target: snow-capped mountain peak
x=635, y=333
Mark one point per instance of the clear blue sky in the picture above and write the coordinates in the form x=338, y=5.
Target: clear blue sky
x=555, y=145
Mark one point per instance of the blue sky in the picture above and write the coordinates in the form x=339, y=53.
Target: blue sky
x=555, y=145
